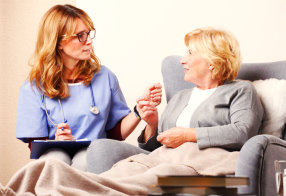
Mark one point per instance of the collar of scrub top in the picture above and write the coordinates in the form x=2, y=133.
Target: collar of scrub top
x=93, y=109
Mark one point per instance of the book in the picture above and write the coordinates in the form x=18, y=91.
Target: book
x=163, y=190
x=205, y=181
x=38, y=147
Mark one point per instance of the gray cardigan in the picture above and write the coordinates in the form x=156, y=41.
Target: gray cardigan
x=227, y=119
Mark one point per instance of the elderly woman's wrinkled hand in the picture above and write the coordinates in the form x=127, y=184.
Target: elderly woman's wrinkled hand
x=148, y=112
x=156, y=93
x=147, y=103
x=176, y=136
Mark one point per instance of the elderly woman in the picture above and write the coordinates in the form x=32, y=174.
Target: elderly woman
x=218, y=112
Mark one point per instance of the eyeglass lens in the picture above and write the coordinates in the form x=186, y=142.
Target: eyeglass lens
x=83, y=35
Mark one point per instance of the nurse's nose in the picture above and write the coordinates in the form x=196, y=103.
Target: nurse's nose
x=88, y=40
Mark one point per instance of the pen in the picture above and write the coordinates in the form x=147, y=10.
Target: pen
x=65, y=121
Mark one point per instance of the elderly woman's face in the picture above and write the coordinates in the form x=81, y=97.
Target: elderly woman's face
x=196, y=68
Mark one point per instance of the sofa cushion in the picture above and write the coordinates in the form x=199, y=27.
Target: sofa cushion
x=272, y=93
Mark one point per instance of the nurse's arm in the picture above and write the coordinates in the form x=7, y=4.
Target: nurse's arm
x=147, y=112
x=123, y=128
x=146, y=106
x=128, y=124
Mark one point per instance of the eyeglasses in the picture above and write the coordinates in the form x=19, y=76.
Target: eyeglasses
x=82, y=36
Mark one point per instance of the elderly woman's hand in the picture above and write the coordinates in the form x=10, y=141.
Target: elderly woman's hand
x=153, y=93
x=148, y=112
x=146, y=104
x=176, y=136
x=63, y=132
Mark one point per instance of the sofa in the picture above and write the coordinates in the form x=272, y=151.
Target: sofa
x=257, y=156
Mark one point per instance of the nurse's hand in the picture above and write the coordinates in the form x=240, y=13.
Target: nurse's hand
x=63, y=132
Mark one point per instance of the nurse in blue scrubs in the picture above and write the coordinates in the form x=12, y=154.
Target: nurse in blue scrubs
x=69, y=95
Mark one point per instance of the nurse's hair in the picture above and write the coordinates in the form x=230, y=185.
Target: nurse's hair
x=220, y=48
x=47, y=63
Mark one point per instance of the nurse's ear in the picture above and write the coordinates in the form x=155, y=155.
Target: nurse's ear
x=60, y=47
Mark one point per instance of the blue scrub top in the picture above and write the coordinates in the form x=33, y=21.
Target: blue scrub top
x=32, y=121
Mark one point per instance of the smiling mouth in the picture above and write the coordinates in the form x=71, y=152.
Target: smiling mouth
x=88, y=50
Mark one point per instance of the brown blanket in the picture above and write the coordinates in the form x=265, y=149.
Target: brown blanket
x=132, y=176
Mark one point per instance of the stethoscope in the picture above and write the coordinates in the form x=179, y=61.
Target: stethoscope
x=93, y=109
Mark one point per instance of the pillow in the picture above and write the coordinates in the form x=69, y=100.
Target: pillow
x=272, y=93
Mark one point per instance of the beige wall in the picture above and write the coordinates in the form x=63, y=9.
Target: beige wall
x=19, y=25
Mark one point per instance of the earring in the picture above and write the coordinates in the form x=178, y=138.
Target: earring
x=211, y=67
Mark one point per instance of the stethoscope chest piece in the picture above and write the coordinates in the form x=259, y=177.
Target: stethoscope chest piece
x=94, y=109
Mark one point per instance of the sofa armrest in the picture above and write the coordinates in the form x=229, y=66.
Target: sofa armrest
x=256, y=160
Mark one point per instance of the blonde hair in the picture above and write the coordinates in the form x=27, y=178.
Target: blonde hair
x=219, y=48
x=47, y=63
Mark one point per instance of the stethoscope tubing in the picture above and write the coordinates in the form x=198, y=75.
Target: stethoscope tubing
x=62, y=110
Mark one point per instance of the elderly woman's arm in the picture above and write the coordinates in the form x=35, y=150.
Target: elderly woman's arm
x=147, y=140
x=242, y=111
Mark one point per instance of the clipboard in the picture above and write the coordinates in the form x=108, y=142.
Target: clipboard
x=38, y=147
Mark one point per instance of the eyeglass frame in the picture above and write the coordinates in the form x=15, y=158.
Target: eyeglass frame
x=78, y=34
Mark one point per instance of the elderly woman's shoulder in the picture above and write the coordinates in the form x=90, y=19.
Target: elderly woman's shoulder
x=241, y=84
